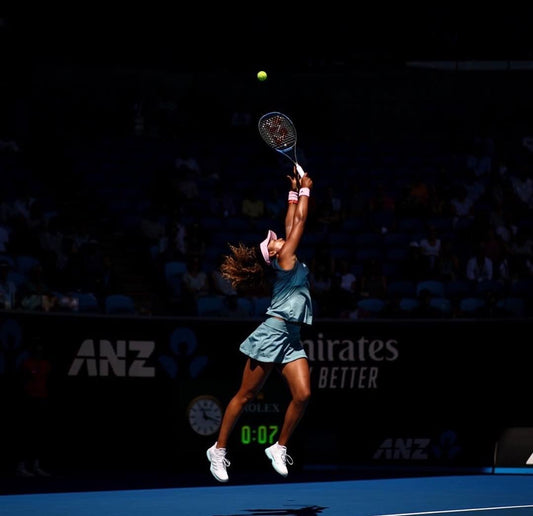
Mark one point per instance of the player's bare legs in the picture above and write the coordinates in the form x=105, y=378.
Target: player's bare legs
x=253, y=378
x=298, y=378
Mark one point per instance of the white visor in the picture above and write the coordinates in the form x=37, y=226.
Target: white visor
x=264, y=245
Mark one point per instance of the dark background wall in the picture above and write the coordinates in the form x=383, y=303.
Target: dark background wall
x=413, y=396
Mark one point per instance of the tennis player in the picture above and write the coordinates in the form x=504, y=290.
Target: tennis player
x=275, y=343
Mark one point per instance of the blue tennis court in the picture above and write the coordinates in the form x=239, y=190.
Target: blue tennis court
x=477, y=495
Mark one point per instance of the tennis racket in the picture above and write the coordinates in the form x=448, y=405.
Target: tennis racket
x=279, y=133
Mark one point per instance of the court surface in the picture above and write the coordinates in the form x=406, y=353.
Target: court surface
x=476, y=495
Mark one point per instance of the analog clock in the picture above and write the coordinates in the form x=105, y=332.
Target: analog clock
x=204, y=414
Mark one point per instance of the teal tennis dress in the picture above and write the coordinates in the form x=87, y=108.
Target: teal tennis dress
x=276, y=340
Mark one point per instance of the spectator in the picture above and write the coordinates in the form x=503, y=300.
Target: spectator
x=501, y=219
x=187, y=189
x=152, y=227
x=521, y=253
x=414, y=266
x=173, y=245
x=356, y=204
x=195, y=240
x=8, y=288
x=51, y=242
x=195, y=280
x=461, y=207
x=220, y=284
x=425, y=310
x=373, y=283
x=480, y=156
x=275, y=205
x=329, y=211
x=69, y=272
x=495, y=247
x=37, y=294
x=222, y=202
x=323, y=259
x=187, y=164
x=418, y=198
x=382, y=210
x=232, y=308
x=345, y=287
x=108, y=280
x=321, y=283
x=4, y=238
x=430, y=248
x=34, y=412
x=252, y=206
x=522, y=186
x=479, y=266
x=448, y=267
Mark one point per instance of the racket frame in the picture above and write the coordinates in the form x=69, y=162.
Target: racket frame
x=287, y=144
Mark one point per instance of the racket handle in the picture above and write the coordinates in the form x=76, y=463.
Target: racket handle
x=300, y=170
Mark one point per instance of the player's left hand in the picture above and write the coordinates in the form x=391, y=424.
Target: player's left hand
x=294, y=180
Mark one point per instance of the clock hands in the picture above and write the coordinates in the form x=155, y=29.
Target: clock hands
x=208, y=417
x=204, y=414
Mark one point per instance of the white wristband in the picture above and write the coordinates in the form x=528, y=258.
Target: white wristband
x=305, y=191
x=293, y=196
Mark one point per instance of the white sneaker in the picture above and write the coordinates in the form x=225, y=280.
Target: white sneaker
x=278, y=455
x=219, y=463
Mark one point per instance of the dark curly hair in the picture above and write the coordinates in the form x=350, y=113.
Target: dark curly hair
x=245, y=268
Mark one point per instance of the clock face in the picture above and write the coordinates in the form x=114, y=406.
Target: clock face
x=205, y=415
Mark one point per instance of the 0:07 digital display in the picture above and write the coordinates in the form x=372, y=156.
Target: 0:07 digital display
x=261, y=434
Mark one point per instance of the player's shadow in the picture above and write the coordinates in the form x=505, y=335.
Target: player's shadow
x=303, y=511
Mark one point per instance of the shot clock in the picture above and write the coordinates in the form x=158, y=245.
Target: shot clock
x=258, y=434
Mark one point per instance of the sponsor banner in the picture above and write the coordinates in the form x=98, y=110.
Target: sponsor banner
x=147, y=390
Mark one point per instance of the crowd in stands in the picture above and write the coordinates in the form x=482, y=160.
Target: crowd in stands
x=410, y=232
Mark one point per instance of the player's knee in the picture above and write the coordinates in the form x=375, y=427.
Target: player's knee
x=302, y=397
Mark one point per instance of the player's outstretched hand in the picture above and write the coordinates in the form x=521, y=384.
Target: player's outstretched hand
x=294, y=179
x=306, y=181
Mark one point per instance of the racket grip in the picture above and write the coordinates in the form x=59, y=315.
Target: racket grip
x=300, y=170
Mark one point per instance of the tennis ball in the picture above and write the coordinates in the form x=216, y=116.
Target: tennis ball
x=262, y=75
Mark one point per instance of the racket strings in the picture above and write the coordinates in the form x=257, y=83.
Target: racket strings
x=278, y=132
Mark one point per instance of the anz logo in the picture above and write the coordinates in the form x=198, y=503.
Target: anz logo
x=123, y=358
x=418, y=449
x=138, y=358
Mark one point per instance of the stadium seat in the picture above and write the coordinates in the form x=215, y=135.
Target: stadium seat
x=371, y=307
x=87, y=302
x=489, y=286
x=442, y=304
x=471, y=306
x=435, y=287
x=456, y=289
x=116, y=304
x=408, y=304
x=210, y=306
x=174, y=268
x=512, y=306
x=401, y=288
